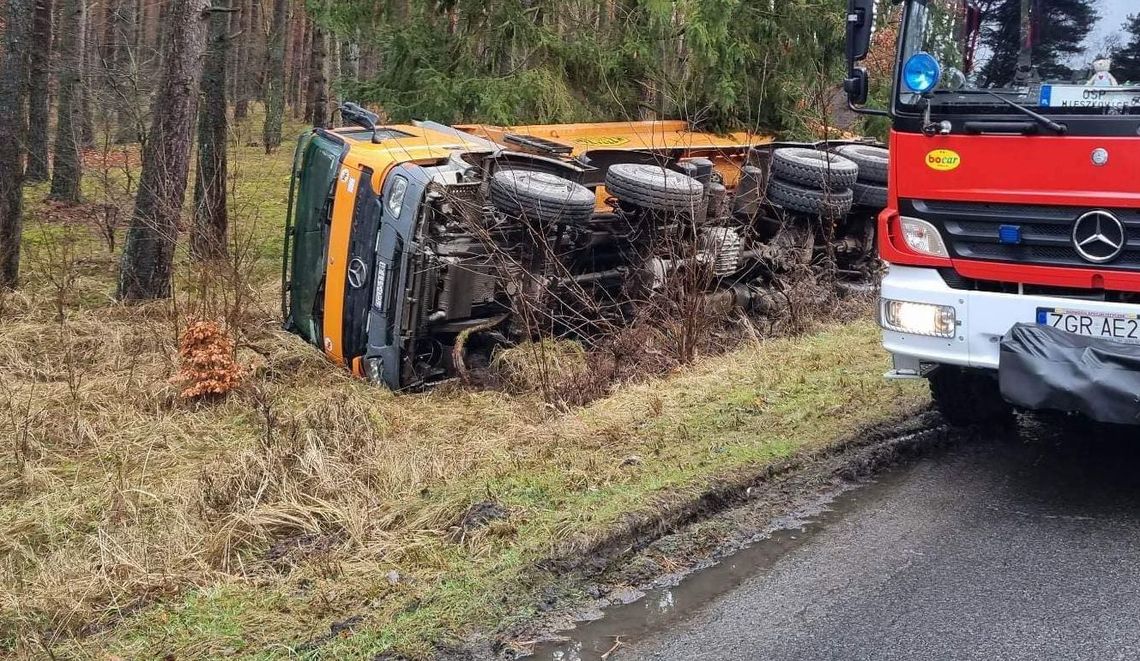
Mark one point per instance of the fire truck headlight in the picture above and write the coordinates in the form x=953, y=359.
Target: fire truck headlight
x=921, y=73
x=923, y=238
x=919, y=318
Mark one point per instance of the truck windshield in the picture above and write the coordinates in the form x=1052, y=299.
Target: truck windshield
x=1058, y=56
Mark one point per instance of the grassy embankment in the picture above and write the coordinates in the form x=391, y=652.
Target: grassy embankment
x=136, y=524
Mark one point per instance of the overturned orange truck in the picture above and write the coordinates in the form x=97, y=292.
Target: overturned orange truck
x=405, y=242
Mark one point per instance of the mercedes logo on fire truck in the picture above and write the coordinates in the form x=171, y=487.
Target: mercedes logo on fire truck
x=1099, y=237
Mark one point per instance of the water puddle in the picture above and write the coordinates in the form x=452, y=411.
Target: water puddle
x=602, y=635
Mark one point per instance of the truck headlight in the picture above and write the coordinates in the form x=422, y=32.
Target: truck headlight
x=919, y=318
x=923, y=238
x=396, y=196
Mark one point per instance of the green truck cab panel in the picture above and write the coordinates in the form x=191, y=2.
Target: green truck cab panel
x=317, y=161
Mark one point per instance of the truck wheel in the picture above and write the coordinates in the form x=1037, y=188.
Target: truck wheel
x=873, y=162
x=870, y=195
x=967, y=397
x=653, y=187
x=814, y=169
x=541, y=197
x=810, y=201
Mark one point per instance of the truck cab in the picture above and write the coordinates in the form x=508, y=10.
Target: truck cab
x=1012, y=229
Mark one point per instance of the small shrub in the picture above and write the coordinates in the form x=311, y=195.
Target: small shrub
x=207, y=363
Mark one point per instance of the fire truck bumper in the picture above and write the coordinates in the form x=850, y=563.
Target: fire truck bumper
x=927, y=324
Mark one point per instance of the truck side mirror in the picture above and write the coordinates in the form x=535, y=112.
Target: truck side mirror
x=856, y=86
x=355, y=114
x=860, y=25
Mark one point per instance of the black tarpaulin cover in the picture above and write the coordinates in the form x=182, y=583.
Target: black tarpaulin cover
x=1046, y=368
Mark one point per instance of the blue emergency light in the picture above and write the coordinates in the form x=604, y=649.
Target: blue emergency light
x=1009, y=234
x=922, y=72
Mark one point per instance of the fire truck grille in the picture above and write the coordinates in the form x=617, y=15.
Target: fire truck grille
x=1044, y=234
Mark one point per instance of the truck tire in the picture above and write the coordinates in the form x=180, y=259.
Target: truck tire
x=873, y=162
x=967, y=397
x=814, y=169
x=541, y=196
x=870, y=195
x=810, y=201
x=654, y=187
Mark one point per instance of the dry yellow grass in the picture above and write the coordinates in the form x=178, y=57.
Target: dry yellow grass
x=134, y=522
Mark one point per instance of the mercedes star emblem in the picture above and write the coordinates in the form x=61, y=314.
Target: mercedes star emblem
x=357, y=273
x=1099, y=237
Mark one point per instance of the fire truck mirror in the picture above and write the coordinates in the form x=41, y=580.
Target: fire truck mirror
x=860, y=23
x=856, y=86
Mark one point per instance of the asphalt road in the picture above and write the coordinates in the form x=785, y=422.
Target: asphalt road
x=1014, y=548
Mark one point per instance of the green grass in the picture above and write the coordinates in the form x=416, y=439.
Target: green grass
x=134, y=524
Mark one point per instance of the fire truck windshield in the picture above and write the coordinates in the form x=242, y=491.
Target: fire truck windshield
x=1059, y=57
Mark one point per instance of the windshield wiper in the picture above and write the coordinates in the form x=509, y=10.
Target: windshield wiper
x=1059, y=129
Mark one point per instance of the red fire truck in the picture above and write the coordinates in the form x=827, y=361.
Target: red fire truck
x=1012, y=232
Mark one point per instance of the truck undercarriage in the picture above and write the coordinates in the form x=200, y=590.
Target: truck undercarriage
x=515, y=238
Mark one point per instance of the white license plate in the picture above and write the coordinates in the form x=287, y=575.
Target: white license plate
x=381, y=285
x=1083, y=96
x=1120, y=327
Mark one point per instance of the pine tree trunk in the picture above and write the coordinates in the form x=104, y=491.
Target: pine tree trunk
x=13, y=69
x=336, y=75
x=67, y=168
x=275, y=77
x=39, y=94
x=318, y=111
x=259, y=20
x=299, y=65
x=147, y=265
x=290, y=47
x=87, y=83
x=208, y=237
x=145, y=44
x=123, y=76
x=142, y=53
x=243, y=81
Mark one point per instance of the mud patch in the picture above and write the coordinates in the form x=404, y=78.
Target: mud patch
x=479, y=515
x=635, y=582
x=342, y=628
x=670, y=597
x=294, y=549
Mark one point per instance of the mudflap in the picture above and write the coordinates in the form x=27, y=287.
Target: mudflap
x=1044, y=368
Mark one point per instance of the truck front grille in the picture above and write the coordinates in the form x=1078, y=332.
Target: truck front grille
x=972, y=231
